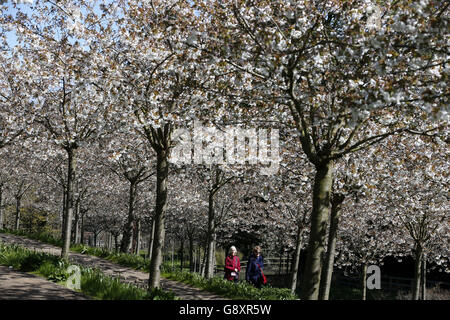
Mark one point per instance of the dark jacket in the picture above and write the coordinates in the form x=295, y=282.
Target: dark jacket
x=253, y=272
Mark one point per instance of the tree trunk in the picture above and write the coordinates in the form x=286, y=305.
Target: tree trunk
x=424, y=278
x=194, y=260
x=150, y=240
x=71, y=173
x=137, y=237
x=76, y=226
x=116, y=242
x=162, y=169
x=173, y=254
x=82, y=229
x=17, y=223
x=129, y=227
x=209, y=269
x=327, y=271
x=79, y=223
x=1, y=207
x=109, y=243
x=287, y=262
x=191, y=254
x=95, y=239
x=181, y=254
x=280, y=262
x=203, y=261
x=317, y=238
x=64, y=213
x=417, y=272
x=363, y=281
x=296, y=263
x=199, y=259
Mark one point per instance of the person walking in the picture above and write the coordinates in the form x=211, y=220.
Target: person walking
x=232, y=265
x=254, y=273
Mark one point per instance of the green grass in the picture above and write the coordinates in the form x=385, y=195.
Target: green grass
x=93, y=282
x=241, y=290
x=218, y=285
x=123, y=259
x=54, y=270
x=96, y=284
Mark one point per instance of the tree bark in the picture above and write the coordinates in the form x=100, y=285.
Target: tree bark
x=64, y=213
x=203, y=261
x=209, y=269
x=191, y=254
x=199, y=259
x=424, y=278
x=162, y=170
x=296, y=264
x=317, y=238
x=173, y=254
x=116, y=243
x=150, y=240
x=95, y=239
x=363, y=281
x=417, y=272
x=181, y=254
x=77, y=222
x=17, y=223
x=82, y=228
x=137, y=237
x=1, y=207
x=71, y=173
x=327, y=271
x=129, y=227
x=287, y=262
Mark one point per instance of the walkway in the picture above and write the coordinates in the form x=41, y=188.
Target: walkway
x=15, y=285
x=139, y=278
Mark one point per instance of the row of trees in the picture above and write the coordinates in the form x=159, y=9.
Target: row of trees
x=104, y=84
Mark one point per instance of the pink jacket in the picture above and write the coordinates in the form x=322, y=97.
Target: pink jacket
x=231, y=263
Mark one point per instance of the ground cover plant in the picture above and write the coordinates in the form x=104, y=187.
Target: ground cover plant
x=92, y=282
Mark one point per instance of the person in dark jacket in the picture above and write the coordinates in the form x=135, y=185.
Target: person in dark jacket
x=232, y=265
x=255, y=264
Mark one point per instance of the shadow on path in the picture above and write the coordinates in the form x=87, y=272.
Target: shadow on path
x=16, y=285
x=128, y=275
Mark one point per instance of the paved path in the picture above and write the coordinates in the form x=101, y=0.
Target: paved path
x=15, y=285
x=129, y=275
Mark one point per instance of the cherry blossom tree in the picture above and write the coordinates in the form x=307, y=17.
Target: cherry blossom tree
x=130, y=160
x=62, y=84
x=154, y=80
x=342, y=83
x=417, y=198
x=14, y=109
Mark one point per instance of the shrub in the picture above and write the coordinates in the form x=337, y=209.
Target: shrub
x=96, y=284
x=160, y=294
x=32, y=261
x=55, y=270
x=240, y=290
x=93, y=282
x=12, y=255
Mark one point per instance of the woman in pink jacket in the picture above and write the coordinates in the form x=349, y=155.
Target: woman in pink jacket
x=232, y=265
